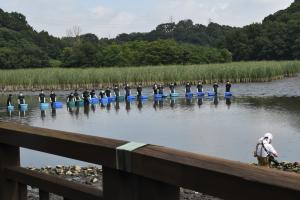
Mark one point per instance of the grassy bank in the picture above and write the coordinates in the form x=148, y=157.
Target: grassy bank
x=58, y=78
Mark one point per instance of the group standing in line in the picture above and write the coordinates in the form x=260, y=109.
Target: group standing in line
x=158, y=89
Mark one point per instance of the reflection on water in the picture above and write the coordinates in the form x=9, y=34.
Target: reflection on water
x=222, y=127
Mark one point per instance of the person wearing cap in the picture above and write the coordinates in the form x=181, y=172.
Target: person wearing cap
x=139, y=90
x=71, y=97
x=86, y=97
x=9, y=100
x=127, y=91
x=117, y=91
x=161, y=89
x=265, y=152
x=228, y=86
x=93, y=94
x=155, y=89
x=42, y=97
x=199, y=86
x=215, y=87
x=172, y=88
x=188, y=88
x=108, y=92
x=102, y=93
x=76, y=95
x=52, y=97
x=21, y=98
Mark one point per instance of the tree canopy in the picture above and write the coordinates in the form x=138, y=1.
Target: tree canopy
x=277, y=37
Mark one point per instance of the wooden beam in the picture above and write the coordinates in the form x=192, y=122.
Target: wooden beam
x=9, y=157
x=213, y=176
x=118, y=185
x=22, y=191
x=44, y=195
x=86, y=148
x=53, y=184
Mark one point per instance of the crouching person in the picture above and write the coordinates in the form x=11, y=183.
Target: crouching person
x=265, y=152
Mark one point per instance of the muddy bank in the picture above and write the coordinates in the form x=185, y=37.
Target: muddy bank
x=69, y=87
x=92, y=176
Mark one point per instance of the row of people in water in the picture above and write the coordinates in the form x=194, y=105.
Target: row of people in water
x=157, y=89
x=41, y=97
x=87, y=96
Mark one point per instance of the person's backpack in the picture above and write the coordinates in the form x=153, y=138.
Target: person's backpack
x=255, y=152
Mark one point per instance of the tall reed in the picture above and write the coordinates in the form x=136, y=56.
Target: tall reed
x=62, y=78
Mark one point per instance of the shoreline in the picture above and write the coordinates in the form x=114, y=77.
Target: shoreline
x=33, y=79
x=70, y=87
x=92, y=176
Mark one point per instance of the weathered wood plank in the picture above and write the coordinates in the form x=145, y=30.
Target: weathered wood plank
x=219, y=177
x=53, y=184
x=119, y=185
x=22, y=191
x=77, y=146
x=44, y=195
x=9, y=157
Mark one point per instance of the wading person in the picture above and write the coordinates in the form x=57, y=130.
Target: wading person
x=155, y=89
x=139, y=91
x=21, y=99
x=172, y=88
x=161, y=89
x=117, y=91
x=216, y=86
x=93, y=94
x=76, y=95
x=102, y=93
x=52, y=97
x=70, y=98
x=199, y=86
x=228, y=86
x=86, y=97
x=265, y=152
x=127, y=91
x=107, y=92
x=9, y=100
x=42, y=97
x=188, y=88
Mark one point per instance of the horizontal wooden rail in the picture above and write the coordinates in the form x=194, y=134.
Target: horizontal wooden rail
x=219, y=177
x=53, y=184
x=86, y=148
x=153, y=165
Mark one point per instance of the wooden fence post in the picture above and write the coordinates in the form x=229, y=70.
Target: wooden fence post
x=9, y=157
x=118, y=185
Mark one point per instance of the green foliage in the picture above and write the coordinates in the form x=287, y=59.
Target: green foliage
x=141, y=53
x=276, y=38
x=184, y=43
x=21, y=46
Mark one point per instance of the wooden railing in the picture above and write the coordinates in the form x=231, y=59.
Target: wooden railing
x=146, y=173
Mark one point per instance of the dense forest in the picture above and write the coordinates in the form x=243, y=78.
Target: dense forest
x=276, y=38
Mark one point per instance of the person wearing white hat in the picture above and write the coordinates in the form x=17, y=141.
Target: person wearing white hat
x=265, y=152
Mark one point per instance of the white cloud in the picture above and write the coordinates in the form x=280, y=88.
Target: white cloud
x=230, y=12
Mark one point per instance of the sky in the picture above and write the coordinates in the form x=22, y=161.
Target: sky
x=108, y=18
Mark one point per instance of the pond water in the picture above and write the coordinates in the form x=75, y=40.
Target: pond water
x=226, y=128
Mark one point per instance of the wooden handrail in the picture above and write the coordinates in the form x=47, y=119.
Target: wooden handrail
x=86, y=148
x=214, y=176
x=53, y=184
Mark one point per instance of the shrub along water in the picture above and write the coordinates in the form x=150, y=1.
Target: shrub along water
x=70, y=78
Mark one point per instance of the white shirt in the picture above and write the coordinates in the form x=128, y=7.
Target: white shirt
x=261, y=152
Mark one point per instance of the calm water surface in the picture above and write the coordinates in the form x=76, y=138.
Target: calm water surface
x=217, y=127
